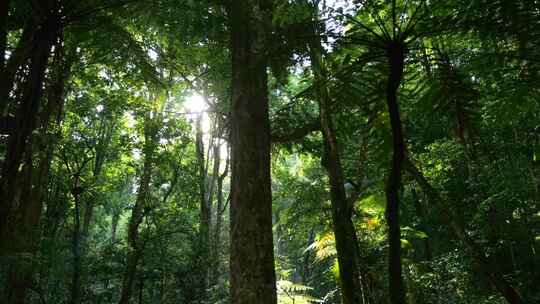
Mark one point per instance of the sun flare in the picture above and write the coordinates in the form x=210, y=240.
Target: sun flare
x=195, y=104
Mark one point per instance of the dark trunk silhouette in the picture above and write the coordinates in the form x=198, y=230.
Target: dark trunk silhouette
x=23, y=228
x=396, y=61
x=21, y=53
x=26, y=121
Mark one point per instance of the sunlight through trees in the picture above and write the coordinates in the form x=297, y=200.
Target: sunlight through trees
x=269, y=151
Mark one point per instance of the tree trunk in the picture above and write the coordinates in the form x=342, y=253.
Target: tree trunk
x=114, y=226
x=26, y=122
x=137, y=214
x=344, y=231
x=204, y=215
x=23, y=229
x=76, y=249
x=141, y=289
x=253, y=278
x=24, y=226
x=216, y=269
x=77, y=192
x=210, y=197
x=22, y=51
x=396, y=62
x=490, y=269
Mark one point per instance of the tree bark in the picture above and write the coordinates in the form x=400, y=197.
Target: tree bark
x=344, y=231
x=26, y=121
x=252, y=256
x=114, y=226
x=20, y=54
x=396, y=62
x=141, y=289
x=23, y=229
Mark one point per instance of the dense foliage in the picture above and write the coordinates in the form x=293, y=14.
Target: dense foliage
x=140, y=141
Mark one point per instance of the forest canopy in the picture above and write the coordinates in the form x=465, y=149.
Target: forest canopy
x=270, y=151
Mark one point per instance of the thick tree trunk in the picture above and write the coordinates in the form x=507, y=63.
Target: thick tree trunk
x=20, y=54
x=344, y=231
x=253, y=278
x=490, y=269
x=26, y=122
x=396, y=63
x=24, y=226
x=138, y=212
x=23, y=229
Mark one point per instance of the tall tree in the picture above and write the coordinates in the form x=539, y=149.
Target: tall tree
x=47, y=15
x=23, y=229
x=252, y=254
x=345, y=233
x=396, y=53
x=151, y=126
